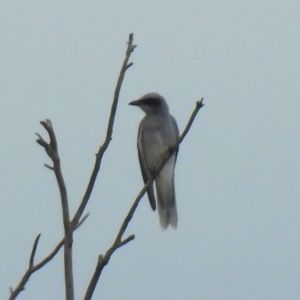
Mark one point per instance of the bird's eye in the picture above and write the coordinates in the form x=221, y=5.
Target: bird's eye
x=154, y=102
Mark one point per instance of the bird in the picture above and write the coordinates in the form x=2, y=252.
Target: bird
x=157, y=133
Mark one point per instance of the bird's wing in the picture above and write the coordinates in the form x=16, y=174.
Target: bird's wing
x=144, y=170
x=165, y=187
x=174, y=123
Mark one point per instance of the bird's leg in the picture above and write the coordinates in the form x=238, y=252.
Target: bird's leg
x=154, y=172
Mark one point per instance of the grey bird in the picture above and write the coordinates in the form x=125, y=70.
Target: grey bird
x=158, y=132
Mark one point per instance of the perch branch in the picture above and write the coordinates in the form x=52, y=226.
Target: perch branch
x=103, y=260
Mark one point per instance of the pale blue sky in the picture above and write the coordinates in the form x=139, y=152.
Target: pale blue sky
x=237, y=174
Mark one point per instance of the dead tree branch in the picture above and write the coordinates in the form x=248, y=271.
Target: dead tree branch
x=99, y=155
x=52, y=151
x=33, y=268
x=103, y=260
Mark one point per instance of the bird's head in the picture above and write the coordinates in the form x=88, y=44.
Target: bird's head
x=152, y=104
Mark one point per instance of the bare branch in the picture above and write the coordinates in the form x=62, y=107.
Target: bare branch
x=127, y=240
x=100, y=153
x=102, y=262
x=31, y=269
x=118, y=243
x=48, y=258
x=56, y=249
x=31, y=260
x=41, y=141
x=49, y=167
x=52, y=151
x=129, y=65
x=82, y=220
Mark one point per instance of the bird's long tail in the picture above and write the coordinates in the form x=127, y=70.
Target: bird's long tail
x=166, y=199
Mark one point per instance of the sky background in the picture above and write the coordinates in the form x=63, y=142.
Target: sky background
x=237, y=173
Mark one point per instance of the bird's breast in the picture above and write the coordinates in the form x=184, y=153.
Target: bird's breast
x=157, y=135
x=155, y=148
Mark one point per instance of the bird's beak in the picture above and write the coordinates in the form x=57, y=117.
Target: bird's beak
x=135, y=103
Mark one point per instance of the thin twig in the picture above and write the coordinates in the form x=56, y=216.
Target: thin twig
x=118, y=243
x=31, y=260
x=127, y=240
x=49, y=167
x=31, y=269
x=82, y=220
x=52, y=151
x=102, y=149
